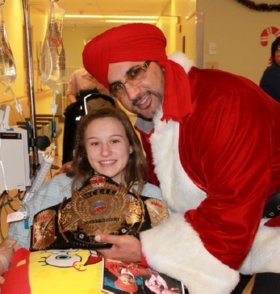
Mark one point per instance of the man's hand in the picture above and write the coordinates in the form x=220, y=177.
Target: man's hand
x=125, y=248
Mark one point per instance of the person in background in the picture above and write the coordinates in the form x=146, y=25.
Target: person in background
x=89, y=101
x=106, y=144
x=81, y=80
x=213, y=138
x=270, y=80
x=81, y=84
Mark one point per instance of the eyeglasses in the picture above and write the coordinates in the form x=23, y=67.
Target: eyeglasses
x=133, y=76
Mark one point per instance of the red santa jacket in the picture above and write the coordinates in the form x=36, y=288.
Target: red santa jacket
x=216, y=170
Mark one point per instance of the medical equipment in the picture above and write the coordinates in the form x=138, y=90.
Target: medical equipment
x=7, y=64
x=53, y=54
x=14, y=157
x=14, y=160
x=40, y=177
x=53, y=57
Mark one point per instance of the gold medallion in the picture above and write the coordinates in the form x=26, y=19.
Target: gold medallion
x=100, y=206
x=43, y=231
x=157, y=210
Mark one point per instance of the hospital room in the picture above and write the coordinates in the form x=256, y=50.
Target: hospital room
x=140, y=146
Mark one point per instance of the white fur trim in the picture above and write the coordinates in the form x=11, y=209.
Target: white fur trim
x=264, y=255
x=175, y=249
x=182, y=59
x=177, y=188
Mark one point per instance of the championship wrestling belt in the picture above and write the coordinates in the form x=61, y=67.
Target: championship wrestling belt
x=101, y=205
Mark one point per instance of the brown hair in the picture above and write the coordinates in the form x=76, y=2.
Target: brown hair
x=136, y=169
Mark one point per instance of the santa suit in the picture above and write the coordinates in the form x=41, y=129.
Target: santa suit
x=216, y=167
x=216, y=151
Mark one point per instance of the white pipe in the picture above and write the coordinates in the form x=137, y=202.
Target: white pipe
x=30, y=82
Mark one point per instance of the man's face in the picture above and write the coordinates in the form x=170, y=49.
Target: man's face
x=142, y=95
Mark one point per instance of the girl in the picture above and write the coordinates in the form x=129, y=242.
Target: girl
x=107, y=144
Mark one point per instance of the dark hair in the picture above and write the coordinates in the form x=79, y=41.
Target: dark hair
x=136, y=169
x=274, y=47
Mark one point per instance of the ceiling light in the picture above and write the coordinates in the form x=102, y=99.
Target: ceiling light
x=130, y=21
x=82, y=16
x=111, y=16
x=131, y=17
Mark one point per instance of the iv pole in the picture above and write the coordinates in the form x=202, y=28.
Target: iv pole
x=29, y=63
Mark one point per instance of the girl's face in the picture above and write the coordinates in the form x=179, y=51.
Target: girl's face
x=107, y=147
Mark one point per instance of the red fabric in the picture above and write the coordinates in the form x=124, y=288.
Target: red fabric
x=273, y=222
x=145, y=139
x=234, y=156
x=177, y=97
x=17, y=278
x=123, y=44
x=143, y=261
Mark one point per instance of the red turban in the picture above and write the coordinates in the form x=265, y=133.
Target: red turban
x=140, y=42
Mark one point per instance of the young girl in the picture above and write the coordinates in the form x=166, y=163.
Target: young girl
x=106, y=143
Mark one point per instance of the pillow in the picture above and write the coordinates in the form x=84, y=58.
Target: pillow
x=54, y=271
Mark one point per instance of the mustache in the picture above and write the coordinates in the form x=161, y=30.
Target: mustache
x=142, y=95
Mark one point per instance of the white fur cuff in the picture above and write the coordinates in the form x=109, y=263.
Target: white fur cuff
x=264, y=255
x=175, y=249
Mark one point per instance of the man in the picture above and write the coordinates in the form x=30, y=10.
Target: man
x=81, y=80
x=215, y=145
x=270, y=80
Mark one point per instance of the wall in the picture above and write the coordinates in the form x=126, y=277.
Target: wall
x=189, y=25
x=38, y=24
x=236, y=30
x=74, y=39
x=180, y=41
x=14, y=20
x=170, y=26
x=224, y=26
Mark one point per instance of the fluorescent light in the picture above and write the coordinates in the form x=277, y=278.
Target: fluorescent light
x=129, y=21
x=82, y=16
x=131, y=17
x=111, y=16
